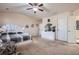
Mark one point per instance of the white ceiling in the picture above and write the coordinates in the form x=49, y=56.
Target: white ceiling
x=49, y=9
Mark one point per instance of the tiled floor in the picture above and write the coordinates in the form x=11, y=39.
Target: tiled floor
x=44, y=47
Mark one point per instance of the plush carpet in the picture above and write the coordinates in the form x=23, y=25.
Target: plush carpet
x=45, y=47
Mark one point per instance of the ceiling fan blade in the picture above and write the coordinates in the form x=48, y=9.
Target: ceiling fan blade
x=45, y=9
x=31, y=4
x=29, y=8
x=35, y=4
x=41, y=10
x=40, y=5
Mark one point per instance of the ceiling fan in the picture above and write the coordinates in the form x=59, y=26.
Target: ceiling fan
x=35, y=7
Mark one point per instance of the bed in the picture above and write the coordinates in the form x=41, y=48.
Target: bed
x=14, y=33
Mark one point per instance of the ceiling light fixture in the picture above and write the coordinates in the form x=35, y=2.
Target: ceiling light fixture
x=35, y=9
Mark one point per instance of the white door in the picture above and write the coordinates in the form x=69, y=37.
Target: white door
x=71, y=28
x=62, y=28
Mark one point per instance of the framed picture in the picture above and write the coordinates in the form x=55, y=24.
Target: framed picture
x=48, y=20
x=32, y=25
x=37, y=25
x=27, y=26
x=77, y=25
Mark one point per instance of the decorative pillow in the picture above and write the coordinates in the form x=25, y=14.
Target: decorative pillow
x=20, y=32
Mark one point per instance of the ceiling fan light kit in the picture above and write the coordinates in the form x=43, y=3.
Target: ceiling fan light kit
x=35, y=7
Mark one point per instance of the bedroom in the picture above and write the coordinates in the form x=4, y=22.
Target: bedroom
x=48, y=26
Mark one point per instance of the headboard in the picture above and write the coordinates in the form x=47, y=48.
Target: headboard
x=12, y=28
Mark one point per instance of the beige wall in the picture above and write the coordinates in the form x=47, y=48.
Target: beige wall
x=21, y=20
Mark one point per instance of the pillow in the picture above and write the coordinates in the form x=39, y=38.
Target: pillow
x=4, y=33
x=11, y=33
x=20, y=32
